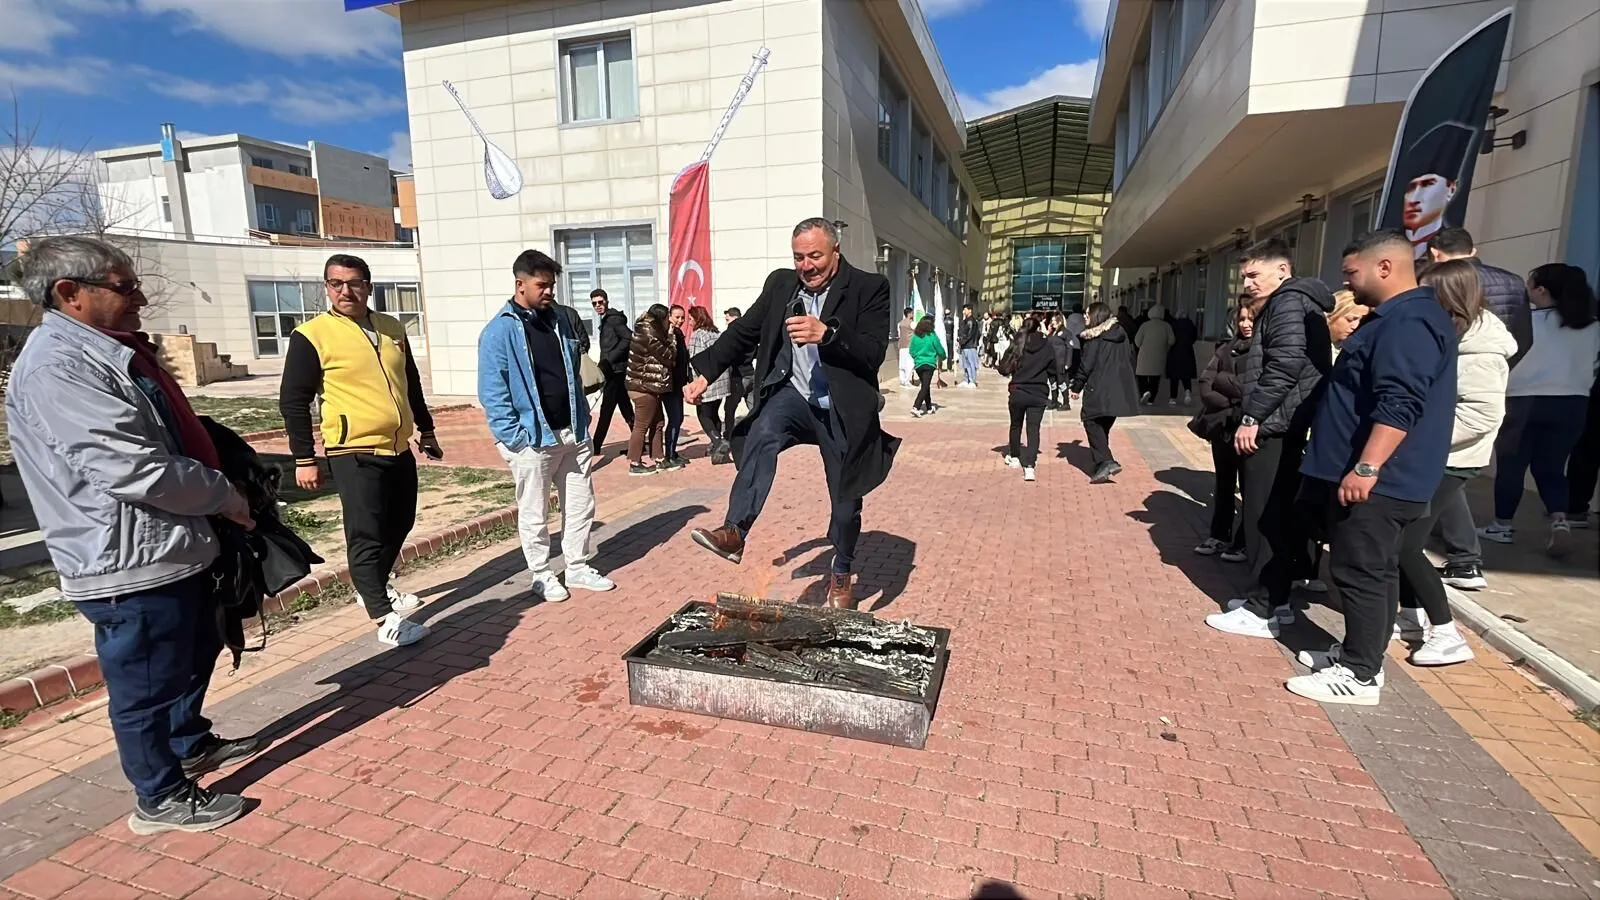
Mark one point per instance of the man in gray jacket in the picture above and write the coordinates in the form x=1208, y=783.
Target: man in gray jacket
x=122, y=476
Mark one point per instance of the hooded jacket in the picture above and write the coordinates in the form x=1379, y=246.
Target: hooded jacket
x=1220, y=392
x=614, y=340
x=1154, y=339
x=1104, y=376
x=1288, y=357
x=1483, y=365
x=1037, y=368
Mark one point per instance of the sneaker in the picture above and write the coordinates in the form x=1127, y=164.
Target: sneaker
x=1283, y=615
x=1116, y=469
x=1335, y=684
x=1027, y=473
x=1467, y=577
x=1445, y=646
x=916, y=413
x=1012, y=462
x=671, y=463
x=1500, y=534
x=1172, y=401
x=584, y=577
x=636, y=469
x=402, y=600
x=1101, y=475
x=1210, y=547
x=1411, y=625
x=1560, y=539
x=189, y=808
x=1146, y=399
x=1188, y=397
x=1243, y=622
x=395, y=630
x=1314, y=585
x=1317, y=660
x=1233, y=555
x=220, y=753
x=548, y=588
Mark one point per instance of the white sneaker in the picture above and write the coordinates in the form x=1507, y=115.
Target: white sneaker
x=1188, y=397
x=1283, y=615
x=1172, y=401
x=1314, y=585
x=1560, y=539
x=1445, y=646
x=1234, y=556
x=1027, y=473
x=1317, y=660
x=1244, y=623
x=1335, y=684
x=1411, y=625
x=1211, y=547
x=1500, y=534
x=547, y=587
x=404, y=601
x=1012, y=462
x=396, y=630
x=583, y=577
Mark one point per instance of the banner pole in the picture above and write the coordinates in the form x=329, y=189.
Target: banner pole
x=745, y=84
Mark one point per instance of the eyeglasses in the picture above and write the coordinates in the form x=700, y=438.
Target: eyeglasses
x=126, y=287
x=357, y=284
x=598, y=302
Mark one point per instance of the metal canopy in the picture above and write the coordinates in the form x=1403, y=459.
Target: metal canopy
x=1038, y=150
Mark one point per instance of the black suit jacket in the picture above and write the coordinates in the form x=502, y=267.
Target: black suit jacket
x=857, y=308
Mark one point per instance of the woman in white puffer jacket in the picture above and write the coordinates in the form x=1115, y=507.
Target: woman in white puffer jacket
x=1482, y=369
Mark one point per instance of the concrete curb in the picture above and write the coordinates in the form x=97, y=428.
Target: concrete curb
x=73, y=677
x=1581, y=688
x=273, y=434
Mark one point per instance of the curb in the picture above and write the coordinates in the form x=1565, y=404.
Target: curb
x=1579, y=687
x=273, y=434
x=72, y=677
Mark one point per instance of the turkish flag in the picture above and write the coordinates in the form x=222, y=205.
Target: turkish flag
x=689, y=244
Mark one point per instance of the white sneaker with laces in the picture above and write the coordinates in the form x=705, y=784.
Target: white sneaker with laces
x=404, y=601
x=584, y=577
x=1335, y=684
x=1027, y=473
x=1234, y=556
x=1317, y=660
x=1500, y=534
x=396, y=630
x=547, y=587
x=1283, y=615
x=1012, y=462
x=1445, y=646
x=1560, y=539
x=1244, y=623
x=1210, y=547
x=1411, y=625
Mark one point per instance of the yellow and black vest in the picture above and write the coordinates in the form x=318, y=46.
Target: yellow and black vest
x=365, y=389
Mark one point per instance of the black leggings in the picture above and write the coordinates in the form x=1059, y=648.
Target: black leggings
x=925, y=394
x=1149, y=384
x=1185, y=384
x=1420, y=585
x=1026, y=408
x=1225, y=465
x=709, y=412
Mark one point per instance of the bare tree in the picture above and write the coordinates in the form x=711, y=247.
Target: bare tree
x=39, y=180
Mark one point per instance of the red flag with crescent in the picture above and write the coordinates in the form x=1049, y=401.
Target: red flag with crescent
x=689, y=242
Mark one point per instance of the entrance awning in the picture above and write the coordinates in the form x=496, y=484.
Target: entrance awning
x=1038, y=150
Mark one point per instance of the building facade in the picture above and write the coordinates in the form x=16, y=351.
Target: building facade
x=1236, y=120
x=603, y=103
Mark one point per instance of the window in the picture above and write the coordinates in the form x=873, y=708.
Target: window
x=166, y=209
x=267, y=216
x=892, y=114
x=919, y=161
x=952, y=210
x=305, y=221
x=404, y=302
x=1049, y=267
x=1202, y=273
x=597, y=80
x=296, y=169
x=1361, y=215
x=277, y=308
x=261, y=162
x=1173, y=52
x=938, y=204
x=620, y=260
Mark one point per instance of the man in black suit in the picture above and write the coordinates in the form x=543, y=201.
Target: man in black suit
x=818, y=336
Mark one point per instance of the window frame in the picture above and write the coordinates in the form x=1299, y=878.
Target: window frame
x=1066, y=243
x=566, y=95
x=899, y=123
x=166, y=209
x=267, y=216
x=305, y=217
x=313, y=301
x=629, y=306
x=262, y=162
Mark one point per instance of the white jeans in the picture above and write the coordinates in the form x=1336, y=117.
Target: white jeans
x=535, y=468
x=908, y=373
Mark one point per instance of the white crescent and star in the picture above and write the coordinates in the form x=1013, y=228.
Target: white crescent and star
x=684, y=268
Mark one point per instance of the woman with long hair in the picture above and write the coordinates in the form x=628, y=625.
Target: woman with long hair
x=1036, y=368
x=652, y=361
x=1105, y=384
x=1221, y=399
x=672, y=401
x=926, y=353
x=1547, y=398
x=1345, y=318
x=709, y=412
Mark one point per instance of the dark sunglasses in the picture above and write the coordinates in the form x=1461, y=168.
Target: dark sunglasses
x=124, y=288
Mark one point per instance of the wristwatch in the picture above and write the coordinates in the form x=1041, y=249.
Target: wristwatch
x=1249, y=422
x=828, y=334
x=1366, y=470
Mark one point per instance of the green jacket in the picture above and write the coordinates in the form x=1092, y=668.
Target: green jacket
x=926, y=350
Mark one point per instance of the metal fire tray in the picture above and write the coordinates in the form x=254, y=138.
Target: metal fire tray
x=729, y=688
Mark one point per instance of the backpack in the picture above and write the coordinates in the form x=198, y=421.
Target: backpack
x=1011, y=361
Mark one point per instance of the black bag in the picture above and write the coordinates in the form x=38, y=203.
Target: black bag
x=1008, y=364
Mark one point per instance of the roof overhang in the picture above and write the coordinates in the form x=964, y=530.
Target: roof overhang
x=1041, y=149
x=353, y=5
x=1124, y=26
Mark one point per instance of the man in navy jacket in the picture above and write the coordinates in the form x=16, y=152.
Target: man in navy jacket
x=1377, y=452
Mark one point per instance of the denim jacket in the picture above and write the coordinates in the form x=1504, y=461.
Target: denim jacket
x=120, y=509
x=507, y=390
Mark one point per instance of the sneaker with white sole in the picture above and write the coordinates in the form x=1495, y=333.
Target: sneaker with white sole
x=546, y=586
x=1464, y=576
x=1317, y=660
x=1027, y=473
x=583, y=577
x=1233, y=556
x=1244, y=623
x=1012, y=462
x=404, y=601
x=1444, y=647
x=1283, y=615
x=1314, y=585
x=1336, y=684
x=1211, y=547
x=395, y=630
x=1560, y=539
x=1500, y=534
x=1411, y=625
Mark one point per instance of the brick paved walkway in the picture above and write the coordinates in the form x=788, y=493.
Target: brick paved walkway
x=1094, y=739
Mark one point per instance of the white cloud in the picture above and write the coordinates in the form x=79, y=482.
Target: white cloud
x=1092, y=15
x=83, y=78
x=399, y=151
x=289, y=28
x=1071, y=79
x=299, y=102
x=31, y=24
x=940, y=9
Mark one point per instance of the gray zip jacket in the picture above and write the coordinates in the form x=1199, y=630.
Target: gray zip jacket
x=121, y=511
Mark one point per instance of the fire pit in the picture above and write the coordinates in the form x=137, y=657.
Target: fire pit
x=832, y=671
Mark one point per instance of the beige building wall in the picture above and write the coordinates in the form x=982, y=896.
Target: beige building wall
x=1007, y=220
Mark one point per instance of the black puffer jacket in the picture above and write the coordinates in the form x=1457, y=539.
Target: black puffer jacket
x=1506, y=295
x=614, y=340
x=1282, y=374
x=1104, y=376
x=1220, y=392
x=652, y=357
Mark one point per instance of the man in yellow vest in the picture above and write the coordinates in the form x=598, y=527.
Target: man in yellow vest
x=359, y=362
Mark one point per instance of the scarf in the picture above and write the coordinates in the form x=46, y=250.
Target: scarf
x=192, y=435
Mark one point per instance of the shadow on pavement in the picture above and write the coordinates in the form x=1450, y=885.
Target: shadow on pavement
x=632, y=543
x=884, y=563
x=997, y=890
x=1076, y=453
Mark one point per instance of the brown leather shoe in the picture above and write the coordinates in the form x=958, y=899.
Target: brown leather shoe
x=724, y=542
x=841, y=591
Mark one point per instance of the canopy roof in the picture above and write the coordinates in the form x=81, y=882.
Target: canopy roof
x=1041, y=149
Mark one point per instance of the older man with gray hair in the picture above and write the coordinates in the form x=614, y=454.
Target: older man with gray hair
x=122, y=476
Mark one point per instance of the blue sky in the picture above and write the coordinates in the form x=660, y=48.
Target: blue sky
x=105, y=73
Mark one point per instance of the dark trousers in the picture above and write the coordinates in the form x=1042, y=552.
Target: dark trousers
x=1149, y=384
x=1099, y=431
x=1583, y=466
x=1225, y=465
x=925, y=392
x=379, y=496
x=646, y=436
x=1364, y=563
x=709, y=412
x=672, y=407
x=1420, y=584
x=1538, y=434
x=1174, y=385
x=157, y=650
x=1026, y=409
x=1275, y=537
x=613, y=397
x=787, y=419
x=1457, y=531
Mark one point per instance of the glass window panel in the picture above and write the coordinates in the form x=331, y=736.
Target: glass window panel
x=410, y=299
x=613, y=279
x=620, y=92
x=379, y=298
x=640, y=248
x=288, y=323
x=264, y=326
x=608, y=248
x=262, y=298
x=641, y=289
x=579, y=283
x=413, y=326
x=266, y=347
x=578, y=249
x=583, y=65
x=313, y=296
x=289, y=296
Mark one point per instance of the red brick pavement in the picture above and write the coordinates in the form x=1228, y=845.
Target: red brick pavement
x=1094, y=739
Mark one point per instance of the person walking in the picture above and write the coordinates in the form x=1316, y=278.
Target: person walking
x=1221, y=399
x=1105, y=385
x=652, y=361
x=1033, y=367
x=672, y=401
x=530, y=385
x=1547, y=401
x=1181, y=361
x=1154, y=340
x=718, y=429
x=1060, y=344
x=926, y=354
x=968, y=336
x=122, y=476
x=359, y=362
x=612, y=326
x=818, y=333
x=908, y=324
